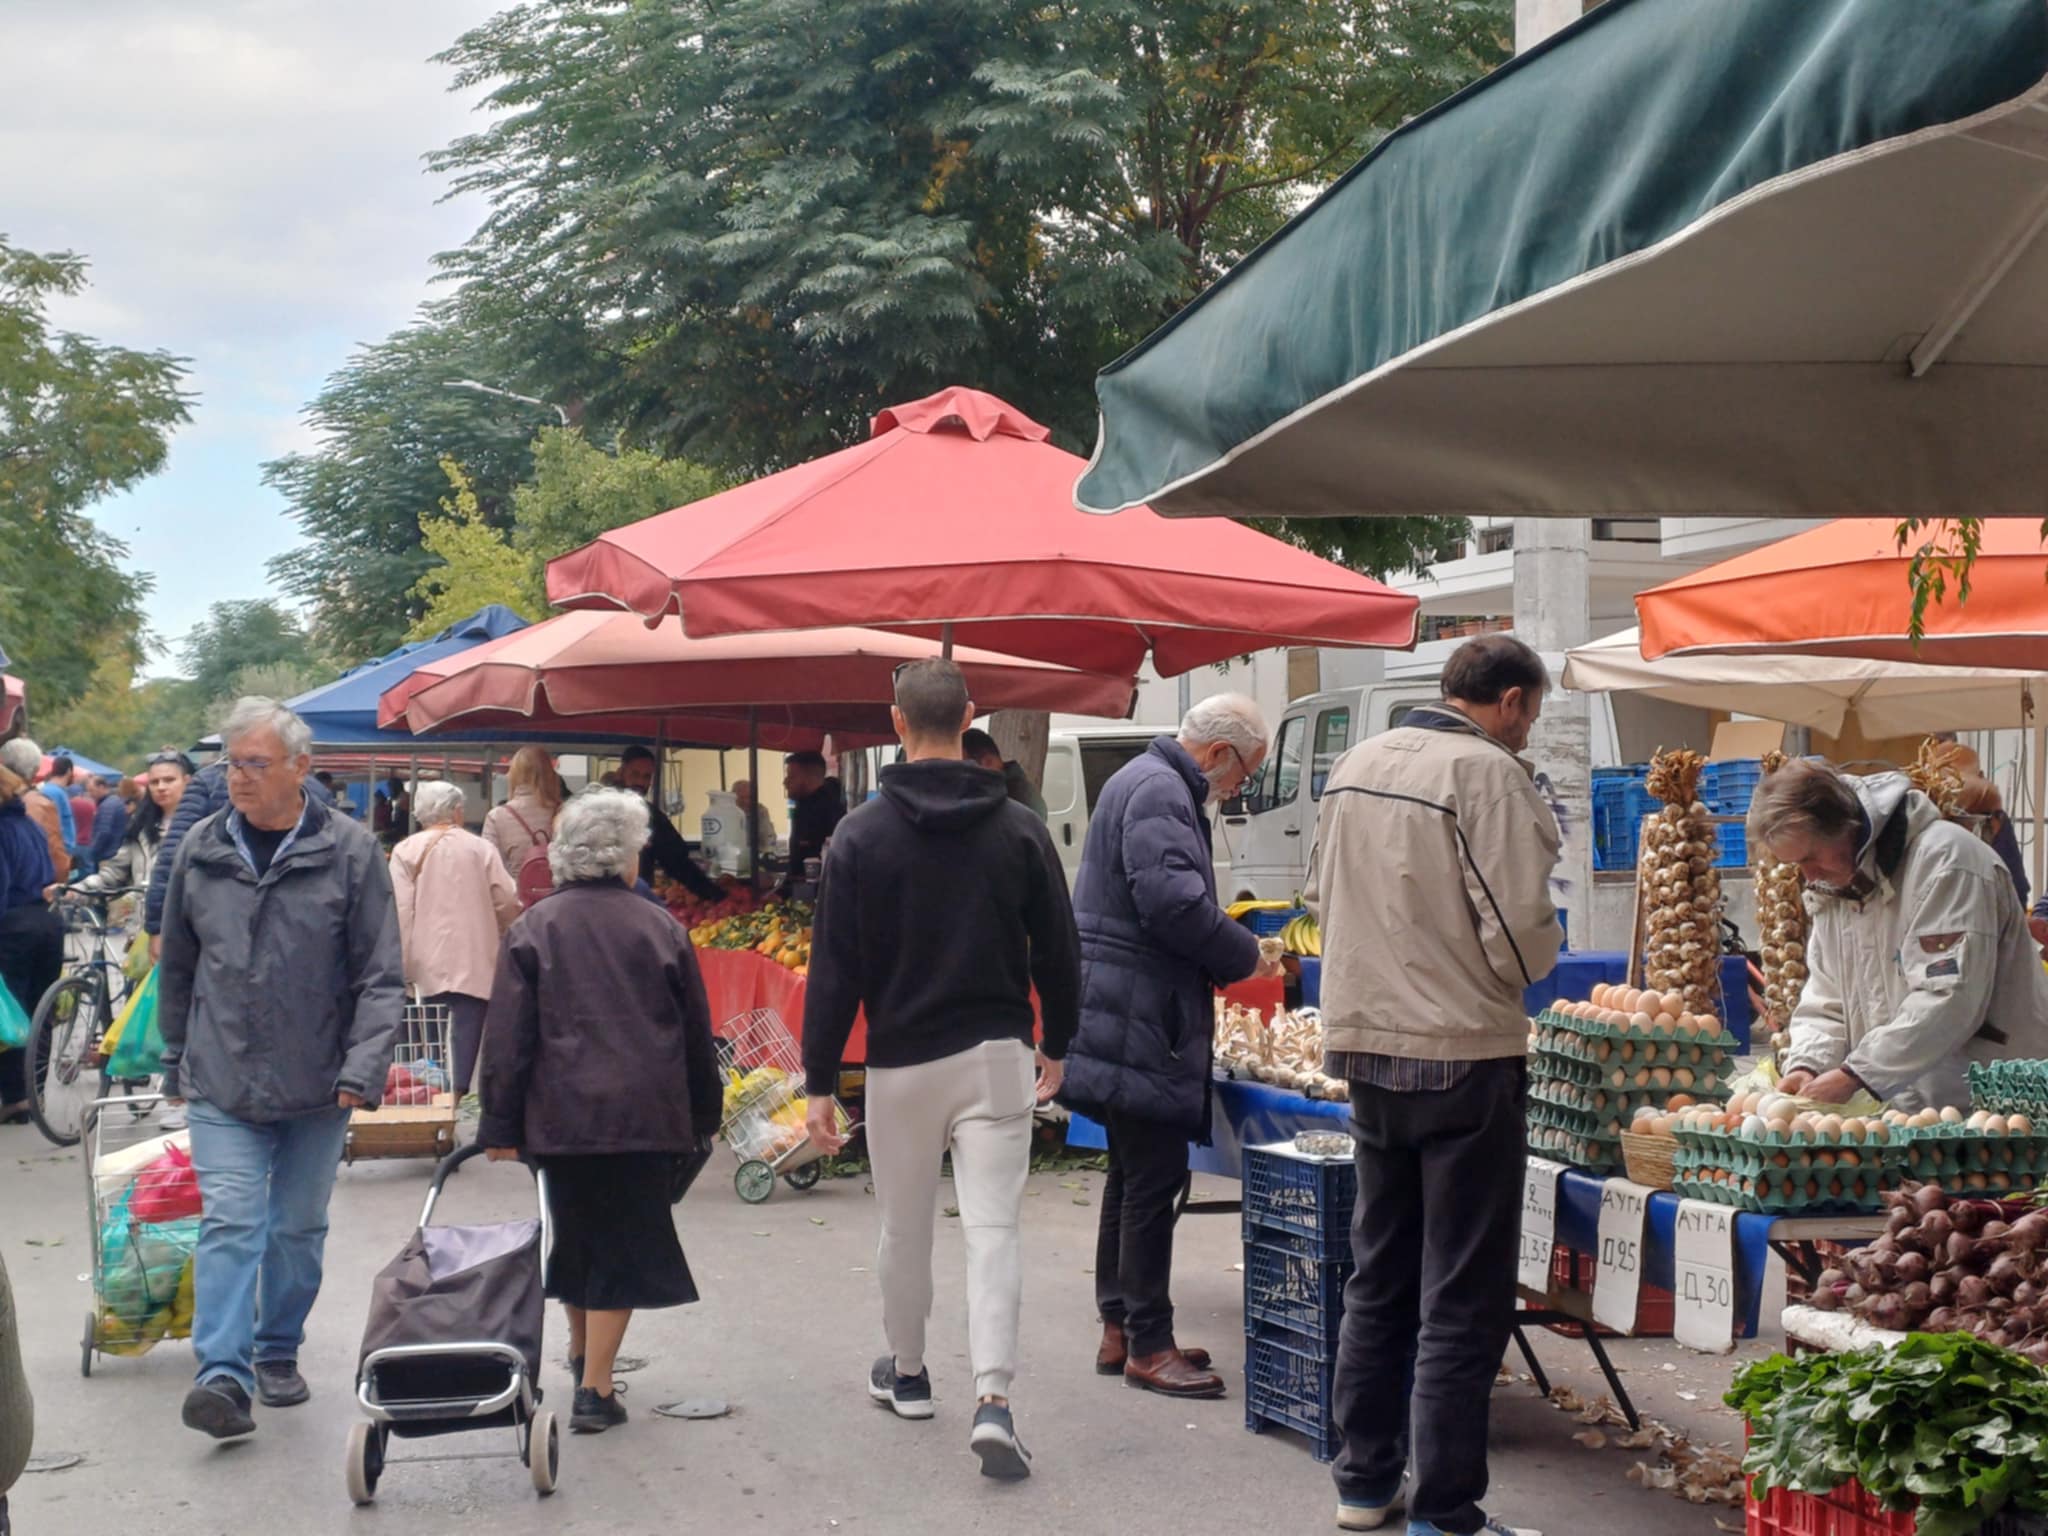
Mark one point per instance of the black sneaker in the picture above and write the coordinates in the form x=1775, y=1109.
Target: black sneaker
x=593, y=1415
x=219, y=1407
x=995, y=1441
x=910, y=1397
x=279, y=1384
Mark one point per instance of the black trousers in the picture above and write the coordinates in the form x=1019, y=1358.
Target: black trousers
x=1435, y=1237
x=1148, y=1166
x=31, y=959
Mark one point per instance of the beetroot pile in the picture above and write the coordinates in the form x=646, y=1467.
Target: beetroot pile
x=1950, y=1266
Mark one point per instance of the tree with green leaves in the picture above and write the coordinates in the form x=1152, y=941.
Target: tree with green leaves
x=1944, y=550
x=79, y=421
x=386, y=421
x=236, y=637
x=736, y=228
x=474, y=565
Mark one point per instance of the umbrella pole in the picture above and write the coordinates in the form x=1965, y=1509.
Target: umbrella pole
x=2037, y=748
x=946, y=641
x=754, y=778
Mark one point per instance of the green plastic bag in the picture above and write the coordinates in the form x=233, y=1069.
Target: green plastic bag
x=140, y=1050
x=14, y=1023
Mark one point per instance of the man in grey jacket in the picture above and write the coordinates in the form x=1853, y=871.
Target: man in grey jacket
x=279, y=993
x=1430, y=877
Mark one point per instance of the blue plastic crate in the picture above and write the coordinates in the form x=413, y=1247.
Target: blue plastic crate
x=1301, y=1197
x=1288, y=1289
x=1620, y=802
x=1726, y=788
x=1267, y=924
x=1731, y=846
x=1290, y=1383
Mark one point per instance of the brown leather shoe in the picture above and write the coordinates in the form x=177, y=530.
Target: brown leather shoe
x=1110, y=1357
x=1171, y=1374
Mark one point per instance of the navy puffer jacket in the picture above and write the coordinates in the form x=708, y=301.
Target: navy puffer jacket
x=1154, y=947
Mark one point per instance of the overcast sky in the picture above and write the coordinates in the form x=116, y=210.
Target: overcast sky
x=245, y=178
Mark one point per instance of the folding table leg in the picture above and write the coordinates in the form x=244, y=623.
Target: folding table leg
x=1621, y=1397
x=1536, y=1370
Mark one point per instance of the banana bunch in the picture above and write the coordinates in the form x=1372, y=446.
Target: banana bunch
x=1303, y=936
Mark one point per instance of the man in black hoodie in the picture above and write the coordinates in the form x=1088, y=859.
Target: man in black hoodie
x=942, y=904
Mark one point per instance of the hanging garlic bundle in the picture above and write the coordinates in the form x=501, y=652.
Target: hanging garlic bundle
x=1680, y=889
x=1937, y=774
x=1782, y=921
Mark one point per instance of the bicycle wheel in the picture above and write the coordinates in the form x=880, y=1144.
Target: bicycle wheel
x=63, y=1077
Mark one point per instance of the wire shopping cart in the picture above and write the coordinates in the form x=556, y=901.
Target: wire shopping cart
x=142, y=1210
x=766, y=1107
x=417, y=1117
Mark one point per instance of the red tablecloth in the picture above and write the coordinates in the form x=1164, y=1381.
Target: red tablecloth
x=739, y=980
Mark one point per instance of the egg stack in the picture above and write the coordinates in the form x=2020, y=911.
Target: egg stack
x=1595, y=1065
x=1766, y=1152
x=1782, y=920
x=1972, y=1153
x=1679, y=889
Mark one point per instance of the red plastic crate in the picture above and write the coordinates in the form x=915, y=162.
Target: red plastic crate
x=1571, y=1270
x=1848, y=1511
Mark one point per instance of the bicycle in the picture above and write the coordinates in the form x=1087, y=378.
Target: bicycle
x=66, y=1069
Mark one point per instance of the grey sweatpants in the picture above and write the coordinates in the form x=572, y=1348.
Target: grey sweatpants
x=978, y=1105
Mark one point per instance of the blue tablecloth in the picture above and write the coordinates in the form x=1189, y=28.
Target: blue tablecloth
x=1246, y=1115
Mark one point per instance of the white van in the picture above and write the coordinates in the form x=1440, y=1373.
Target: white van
x=1078, y=762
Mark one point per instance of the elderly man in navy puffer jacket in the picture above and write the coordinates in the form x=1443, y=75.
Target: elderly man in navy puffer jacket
x=1154, y=947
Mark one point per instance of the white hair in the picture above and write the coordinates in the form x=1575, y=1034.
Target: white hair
x=257, y=713
x=1226, y=717
x=436, y=802
x=23, y=758
x=599, y=836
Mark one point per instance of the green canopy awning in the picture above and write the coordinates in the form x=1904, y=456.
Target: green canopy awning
x=1688, y=257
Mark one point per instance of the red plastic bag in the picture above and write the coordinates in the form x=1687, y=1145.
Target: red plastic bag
x=167, y=1188
x=401, y=1087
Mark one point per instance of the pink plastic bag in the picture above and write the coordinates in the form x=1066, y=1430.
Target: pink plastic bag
x=167, y=1188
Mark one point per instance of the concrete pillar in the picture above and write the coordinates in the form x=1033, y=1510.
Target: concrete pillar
x=1553, y=613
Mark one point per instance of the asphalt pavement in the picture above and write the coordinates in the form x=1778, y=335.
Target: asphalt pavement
x=788, y=1327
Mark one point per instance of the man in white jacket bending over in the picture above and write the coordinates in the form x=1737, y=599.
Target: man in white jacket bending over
x=1919, y=961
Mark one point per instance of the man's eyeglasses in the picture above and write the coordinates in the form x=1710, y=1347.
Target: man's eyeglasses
x=253, y=767
x=1242, y=766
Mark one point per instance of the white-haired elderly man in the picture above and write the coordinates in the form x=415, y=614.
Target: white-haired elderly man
x=279, y=993
x=1154, y=947
x=455, y=901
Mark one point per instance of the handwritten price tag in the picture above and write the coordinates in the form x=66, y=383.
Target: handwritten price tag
x=1703, y=1266
x=1618, y=1279
x=1539, y=1224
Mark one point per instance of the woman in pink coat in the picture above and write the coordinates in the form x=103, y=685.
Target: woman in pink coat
x=455, y=901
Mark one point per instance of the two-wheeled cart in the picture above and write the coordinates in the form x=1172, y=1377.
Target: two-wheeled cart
x=766, y=1106
x=141, y=1268
x=453, y=1341
x=417, y=1117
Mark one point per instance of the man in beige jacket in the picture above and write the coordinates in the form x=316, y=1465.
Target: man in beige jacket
x=1431, y=879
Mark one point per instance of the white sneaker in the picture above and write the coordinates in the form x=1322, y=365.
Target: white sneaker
x=1355, y=1516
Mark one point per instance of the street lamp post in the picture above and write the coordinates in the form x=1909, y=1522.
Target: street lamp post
x=505, y=394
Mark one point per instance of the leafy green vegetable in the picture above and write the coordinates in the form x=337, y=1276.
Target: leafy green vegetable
x=1959, y=1425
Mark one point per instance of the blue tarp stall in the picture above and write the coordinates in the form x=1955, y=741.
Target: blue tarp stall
x=81, y=762
x=1759, y=258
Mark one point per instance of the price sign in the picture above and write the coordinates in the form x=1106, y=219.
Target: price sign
x=1618, y=1279
x=1539, y=1224
x=1703, y=1266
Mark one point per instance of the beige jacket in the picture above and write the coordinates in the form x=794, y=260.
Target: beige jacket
x=514, y=827
x=1430, y=877
x=455, y=901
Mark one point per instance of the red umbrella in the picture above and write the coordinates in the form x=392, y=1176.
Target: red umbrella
x=957, y=516
x=583, y=668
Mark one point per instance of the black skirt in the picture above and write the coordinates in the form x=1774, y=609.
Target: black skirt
x=615, y=1246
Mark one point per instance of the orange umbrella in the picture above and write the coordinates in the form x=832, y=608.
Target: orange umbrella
x=1844, y=589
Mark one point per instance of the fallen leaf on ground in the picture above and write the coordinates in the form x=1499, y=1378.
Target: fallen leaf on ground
x=1596, y=1411
x=1647, y=1476
x=952, y=1210
x=1641, y=1440
x=764, y=1234
x=1688, y=1397
x=817, y=1221
x=1591, y=1439
x=1082, y=1200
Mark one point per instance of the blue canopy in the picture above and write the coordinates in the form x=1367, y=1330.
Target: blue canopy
x=84, y=764
x=343, y=713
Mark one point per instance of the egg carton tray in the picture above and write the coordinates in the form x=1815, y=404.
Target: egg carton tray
x=1607, y=1100
x=1751, y=1159
x=1550, y=1018
x=1545, y=1067
x=1633, y=1051
x=2010, y=1087
x=1595, y=1156
x=1705, y=1085
x=1779, y=1140
x=1771, y=1196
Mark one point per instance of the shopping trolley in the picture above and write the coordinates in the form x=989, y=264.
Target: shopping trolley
x=417, y=1117
x=766, y=1107
x=142, y=1211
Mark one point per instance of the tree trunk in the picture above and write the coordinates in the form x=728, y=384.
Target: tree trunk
x=1022, y=734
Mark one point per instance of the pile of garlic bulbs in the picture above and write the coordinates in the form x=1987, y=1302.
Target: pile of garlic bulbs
x=1286, y=1050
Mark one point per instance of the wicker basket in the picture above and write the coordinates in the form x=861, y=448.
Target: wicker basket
x=1648, y=1158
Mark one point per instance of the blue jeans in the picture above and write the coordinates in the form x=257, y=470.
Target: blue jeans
x=257, y=1269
